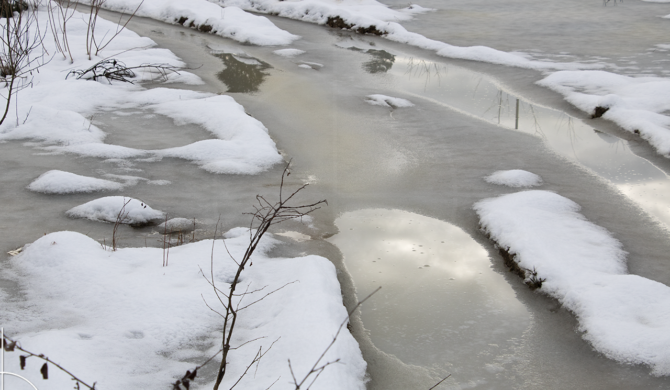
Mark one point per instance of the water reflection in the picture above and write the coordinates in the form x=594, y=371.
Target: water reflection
x=441, y=303
x=475, y=95
x=381, y=62
x=242, y=74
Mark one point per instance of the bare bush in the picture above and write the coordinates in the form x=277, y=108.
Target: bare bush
x=91, y=40
x=20, y=40
x=114, y=70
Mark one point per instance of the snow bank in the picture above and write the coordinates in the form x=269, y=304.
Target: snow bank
x=123, y=320
x=107, y=209
x=625, y=317
x=637, y=104
x=370, y=16
x=61, y=182
x=514, y=178
x=388, y=101
x=229, y=22
x=289, y=52
x=58, y=112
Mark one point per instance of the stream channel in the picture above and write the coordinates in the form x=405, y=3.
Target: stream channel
x=400, y=185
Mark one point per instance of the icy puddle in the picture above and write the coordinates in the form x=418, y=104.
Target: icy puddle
x=441, y=304
x=476, y=95
x=142, y=129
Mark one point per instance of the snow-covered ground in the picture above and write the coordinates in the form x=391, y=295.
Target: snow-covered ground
x=123, y=320
x=626, y=317
x=514, y=178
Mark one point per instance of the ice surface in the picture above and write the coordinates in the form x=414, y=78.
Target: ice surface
x=626, y=317
x=60, y=182
x=388, y=101
x=229, y=22
x=123, y=320
x=514, y=178
x=108, y=209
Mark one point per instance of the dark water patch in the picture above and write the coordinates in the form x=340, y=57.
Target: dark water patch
x=242, y=74
x=381, y=62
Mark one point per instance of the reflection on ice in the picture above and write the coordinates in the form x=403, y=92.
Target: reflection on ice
x=476, y=95
x=242, y=74
x=440, y=303
x=381, y=62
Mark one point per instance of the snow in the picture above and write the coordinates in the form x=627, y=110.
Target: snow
x=61, y=182
x=108, y=209
x=514, y=178
x=289, y=52
x=57, y=111
x=370, y=13
x=637, y=104
x=625, y=317
x=229, y=22
x=123, y=320
x=388, y=101
x=176, y=225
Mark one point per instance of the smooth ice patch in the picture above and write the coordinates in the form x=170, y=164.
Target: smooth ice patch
x=108, y=209
x=626, y=317
x=514, y=178
x=388, y=101
x=61, y=182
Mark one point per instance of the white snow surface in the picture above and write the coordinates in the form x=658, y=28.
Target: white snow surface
x=57, y=110
x=289, y=52
x=388, y=101
x=107, y=209
x=61, y=182
x=635, y=103
x=625, y=317
x=368, y=13
x=229, y=22
x=514, y=178
x=123, y=320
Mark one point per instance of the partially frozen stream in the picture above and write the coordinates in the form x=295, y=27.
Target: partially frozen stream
x=400, y=185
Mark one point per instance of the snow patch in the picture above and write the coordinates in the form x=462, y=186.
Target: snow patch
x=514, y=178
x=107, y=209
x=61, y=182
x=126, y=322
x=230, y=22
x=289, y=52
x=637, y=104
x=388, y=101
x=625, y=317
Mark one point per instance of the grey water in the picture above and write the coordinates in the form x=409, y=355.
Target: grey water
x=400, y=185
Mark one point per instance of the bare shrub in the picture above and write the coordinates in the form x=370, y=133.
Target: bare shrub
x=20, y=40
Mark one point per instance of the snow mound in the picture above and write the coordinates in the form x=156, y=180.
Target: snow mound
x=61, y=182
x=388, y=101
x=107, y=209
x=176, y=225
x=230, y=22
x=289, y=52
x=626, y=317
x=514, y=178
x=125, y=321
x=637, y=104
